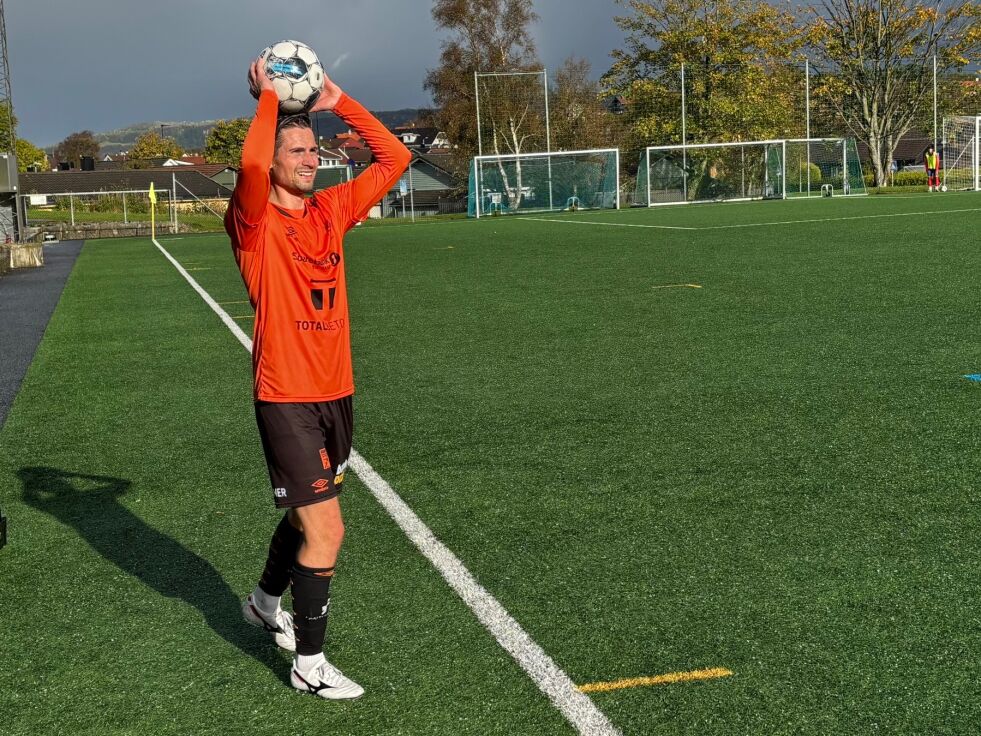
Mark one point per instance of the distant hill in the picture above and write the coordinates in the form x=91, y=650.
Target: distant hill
x=191, y=135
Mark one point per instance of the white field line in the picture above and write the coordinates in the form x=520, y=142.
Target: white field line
x=576, y=706
x=609, y=224
x=758, y=224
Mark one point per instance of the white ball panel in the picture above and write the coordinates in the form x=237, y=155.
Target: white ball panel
x=306, y=53
x=302, y=91
x=284, y=49
x=283, y=87
x=291, y=106
x=315, y=75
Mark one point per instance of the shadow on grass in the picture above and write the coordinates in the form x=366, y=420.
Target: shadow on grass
x=90, y=505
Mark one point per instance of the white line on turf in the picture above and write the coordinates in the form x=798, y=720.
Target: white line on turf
x=575, y=705
x=756, y=224
x=609, y=224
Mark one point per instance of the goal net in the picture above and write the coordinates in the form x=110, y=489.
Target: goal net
x=544, y=182
x=512, y=112
x=959, y=155
x=711, y=172
x=817, y=166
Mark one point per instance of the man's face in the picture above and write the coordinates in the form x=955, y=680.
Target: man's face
x=295, y=161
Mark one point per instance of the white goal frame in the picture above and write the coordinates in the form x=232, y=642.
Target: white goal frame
x=685, y=148
x=479, y=161
x=846, y=190
x=968, y=152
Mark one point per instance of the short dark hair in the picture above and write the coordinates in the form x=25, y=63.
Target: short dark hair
x=299, y=120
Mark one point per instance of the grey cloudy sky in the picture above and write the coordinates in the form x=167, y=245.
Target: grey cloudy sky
x=105, y=64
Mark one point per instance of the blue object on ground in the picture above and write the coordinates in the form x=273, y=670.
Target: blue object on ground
x=976, y=377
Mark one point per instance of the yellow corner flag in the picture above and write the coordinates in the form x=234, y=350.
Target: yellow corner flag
x=153, y=212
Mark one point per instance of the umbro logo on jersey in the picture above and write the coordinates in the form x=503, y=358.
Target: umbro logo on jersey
x=290, y=231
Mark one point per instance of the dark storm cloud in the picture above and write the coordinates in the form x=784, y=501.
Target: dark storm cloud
x=104, y=64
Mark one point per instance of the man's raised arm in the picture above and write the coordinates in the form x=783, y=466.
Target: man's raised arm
x=391, y=159
x=252, y=187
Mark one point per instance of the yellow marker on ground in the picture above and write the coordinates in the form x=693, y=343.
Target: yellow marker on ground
x=668, y=679
x=240, y=301
x=678, y=286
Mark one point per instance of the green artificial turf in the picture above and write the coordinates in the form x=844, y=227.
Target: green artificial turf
x=776, y=473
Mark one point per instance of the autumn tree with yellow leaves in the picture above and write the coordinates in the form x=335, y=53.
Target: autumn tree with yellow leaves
x=877, y=62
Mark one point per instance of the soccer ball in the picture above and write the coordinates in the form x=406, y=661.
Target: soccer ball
x=943, y=188
x=296, y=74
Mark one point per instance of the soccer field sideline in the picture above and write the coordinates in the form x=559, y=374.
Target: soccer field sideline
x=576, y=706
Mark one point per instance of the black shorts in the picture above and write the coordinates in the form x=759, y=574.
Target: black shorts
x=307, y=446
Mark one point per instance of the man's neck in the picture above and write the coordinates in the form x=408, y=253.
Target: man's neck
x=287, y=199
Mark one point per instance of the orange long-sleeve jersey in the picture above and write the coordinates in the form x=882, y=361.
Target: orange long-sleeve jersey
x=292, y=261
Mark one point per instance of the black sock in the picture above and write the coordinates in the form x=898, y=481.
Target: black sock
x=311, y=603
x=282, y=556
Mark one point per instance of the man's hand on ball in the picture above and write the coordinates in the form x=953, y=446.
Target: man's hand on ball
x=329, y=96
x=258, y=79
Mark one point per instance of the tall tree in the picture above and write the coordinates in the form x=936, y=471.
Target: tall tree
x=738, y=86
x=75, y=146
x=224, y=142
x=578, y=118
x=30, y=156
x=485, y=36
x=152, y=145
x=877, y=56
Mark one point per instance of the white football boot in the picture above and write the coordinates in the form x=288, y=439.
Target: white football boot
x=325, y=681
x=280, y=624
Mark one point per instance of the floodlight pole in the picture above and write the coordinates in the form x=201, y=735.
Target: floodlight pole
x=548, y=138
x=684, y=141
x=935, y=149
x=476, y=98
x=807, y=119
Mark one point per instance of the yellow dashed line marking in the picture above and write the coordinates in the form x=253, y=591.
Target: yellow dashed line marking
x=678, y=286
x=668, y=679
x=199, y=268
x=244, y=316
x=242, y=301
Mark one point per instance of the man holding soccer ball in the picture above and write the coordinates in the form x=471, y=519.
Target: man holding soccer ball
x=289, y=249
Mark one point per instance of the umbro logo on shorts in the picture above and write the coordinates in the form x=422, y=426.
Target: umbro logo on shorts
x=320, y=484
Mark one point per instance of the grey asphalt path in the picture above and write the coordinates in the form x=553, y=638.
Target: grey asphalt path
x=28, y=297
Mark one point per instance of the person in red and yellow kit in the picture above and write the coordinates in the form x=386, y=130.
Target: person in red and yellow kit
x=931, y=163
x=289, y=249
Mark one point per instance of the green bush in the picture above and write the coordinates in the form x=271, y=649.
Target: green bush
x=909, y=179
x=901, y=179
x=815, y=173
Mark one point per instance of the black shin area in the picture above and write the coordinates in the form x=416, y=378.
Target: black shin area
x=282, y=556
x=311, y=603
